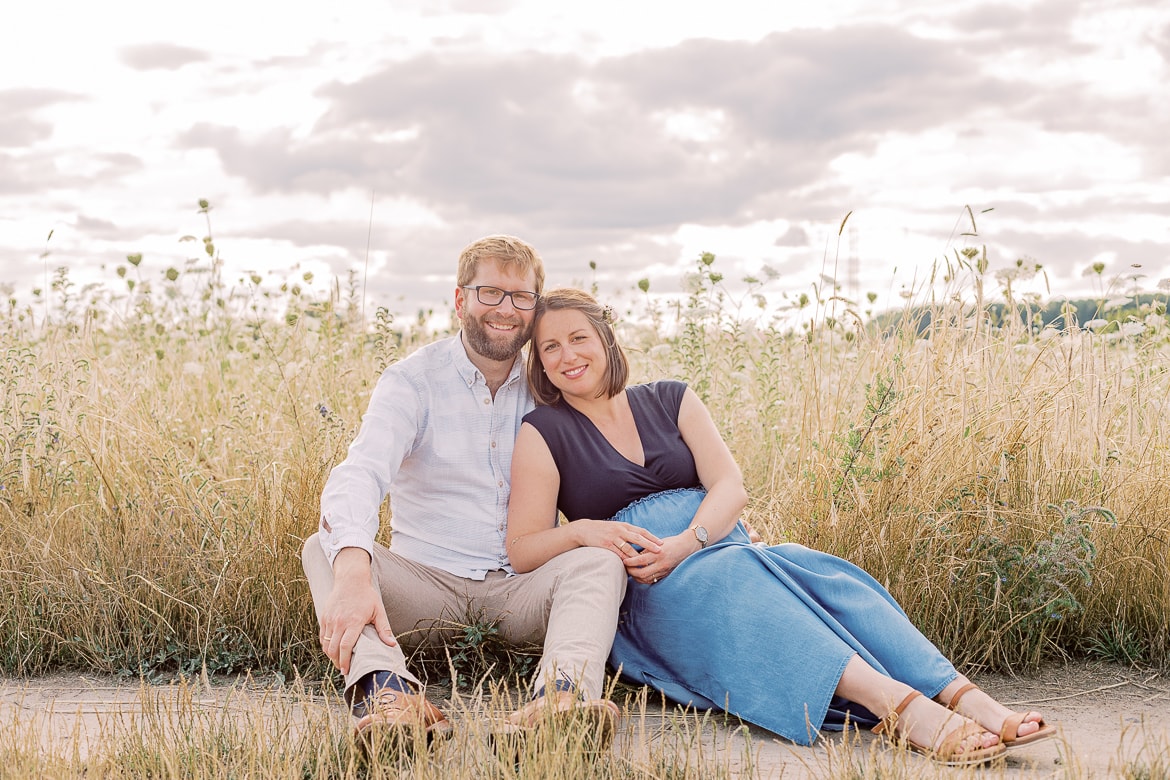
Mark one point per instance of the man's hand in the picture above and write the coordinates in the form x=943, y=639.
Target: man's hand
x=353, y=605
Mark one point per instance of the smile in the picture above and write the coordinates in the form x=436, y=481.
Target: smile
x=574, y=372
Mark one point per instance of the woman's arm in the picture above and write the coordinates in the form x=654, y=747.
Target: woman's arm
x=722, y=505
x=718, y=471
x=534, y=538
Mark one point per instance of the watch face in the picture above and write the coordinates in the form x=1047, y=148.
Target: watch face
x=701, y=534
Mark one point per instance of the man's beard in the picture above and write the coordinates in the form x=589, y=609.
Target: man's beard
x=494, y=345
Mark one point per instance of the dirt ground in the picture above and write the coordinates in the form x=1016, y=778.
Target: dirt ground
x=1107, y=716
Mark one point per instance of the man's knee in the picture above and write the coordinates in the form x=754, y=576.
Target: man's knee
x=594, y=562
x=312, y=553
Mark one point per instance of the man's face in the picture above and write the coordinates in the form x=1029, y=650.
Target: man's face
x=495, y=332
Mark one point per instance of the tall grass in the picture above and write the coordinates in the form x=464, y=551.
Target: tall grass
x=1007, y=483
x=164, y=440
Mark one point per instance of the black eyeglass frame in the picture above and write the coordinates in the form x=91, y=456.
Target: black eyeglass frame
x=504, y=294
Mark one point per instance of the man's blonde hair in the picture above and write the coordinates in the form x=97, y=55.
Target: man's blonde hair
x=513, y=254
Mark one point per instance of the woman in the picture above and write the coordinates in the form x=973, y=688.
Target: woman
x=780, y=636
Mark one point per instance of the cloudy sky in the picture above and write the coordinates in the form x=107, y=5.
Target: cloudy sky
x=380, y=137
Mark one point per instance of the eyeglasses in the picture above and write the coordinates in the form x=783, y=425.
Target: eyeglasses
x=494, y=296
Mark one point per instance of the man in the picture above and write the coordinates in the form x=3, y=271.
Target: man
x=437, y=437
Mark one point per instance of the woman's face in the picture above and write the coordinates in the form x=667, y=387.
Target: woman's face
x=571, y=352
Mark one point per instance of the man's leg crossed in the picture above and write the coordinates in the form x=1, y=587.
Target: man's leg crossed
x=581, y=591
x=380, y=689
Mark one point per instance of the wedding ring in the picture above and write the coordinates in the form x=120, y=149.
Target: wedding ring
x=327, y=638
x=655, y=580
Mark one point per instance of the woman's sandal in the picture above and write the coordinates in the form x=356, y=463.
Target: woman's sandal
x=950, y=751
x=1008, y=735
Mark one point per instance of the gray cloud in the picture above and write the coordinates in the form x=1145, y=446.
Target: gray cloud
x=1160, y=40
x=1065, y=256
x=19, y=125
x=813, y=88
x=1006, y=25
x=794, y=236
x=101, y=228
x=350, y=236
x=26, y=173
x=160, y=56
x=39, y=172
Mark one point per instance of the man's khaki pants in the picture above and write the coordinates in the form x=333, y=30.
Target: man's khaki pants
x=569, y=605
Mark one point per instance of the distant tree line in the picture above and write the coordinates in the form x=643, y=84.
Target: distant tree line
x=1060, y=314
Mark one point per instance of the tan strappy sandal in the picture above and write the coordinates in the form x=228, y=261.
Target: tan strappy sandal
x=950, y=751
x=1009, y=734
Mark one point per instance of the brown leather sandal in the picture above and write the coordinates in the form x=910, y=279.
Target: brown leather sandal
x=1008, y=735
x=950, y=751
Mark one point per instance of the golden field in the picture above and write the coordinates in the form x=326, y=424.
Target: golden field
x=164, y=440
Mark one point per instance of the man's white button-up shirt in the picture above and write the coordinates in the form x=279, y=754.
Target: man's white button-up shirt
x=435, y=440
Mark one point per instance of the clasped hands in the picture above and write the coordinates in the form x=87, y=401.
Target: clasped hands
x=646, y=557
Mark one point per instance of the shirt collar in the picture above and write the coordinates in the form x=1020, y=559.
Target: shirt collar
x=470, y=374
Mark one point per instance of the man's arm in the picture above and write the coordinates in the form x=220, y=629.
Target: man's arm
x=350, y=505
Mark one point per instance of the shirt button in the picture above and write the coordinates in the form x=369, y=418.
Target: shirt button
x=487, y=401
x=500, y=483
x=493, y=445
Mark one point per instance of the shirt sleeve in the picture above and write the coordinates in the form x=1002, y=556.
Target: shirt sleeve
x=670, y=394
x=353, y=494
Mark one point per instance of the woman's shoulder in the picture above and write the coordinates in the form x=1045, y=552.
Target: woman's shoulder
x=546, y=414
x=670, y=390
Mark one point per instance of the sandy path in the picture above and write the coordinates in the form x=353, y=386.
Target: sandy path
x=1107, y=716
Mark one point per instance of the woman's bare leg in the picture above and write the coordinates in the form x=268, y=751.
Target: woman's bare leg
x=978, y=705
x=923, y=722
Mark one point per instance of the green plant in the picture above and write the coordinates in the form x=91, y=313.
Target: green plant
x=470, y=654
x=865, y=456
x=1119, y=643
x=1033, y=589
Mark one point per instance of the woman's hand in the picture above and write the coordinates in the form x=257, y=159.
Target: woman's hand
x=620, y=538
x=650, y=566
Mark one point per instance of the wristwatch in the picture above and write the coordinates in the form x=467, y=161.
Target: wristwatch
x=701, y=535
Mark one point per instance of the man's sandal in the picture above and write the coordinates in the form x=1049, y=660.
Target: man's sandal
x=950, y=751
x=1008, y=735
